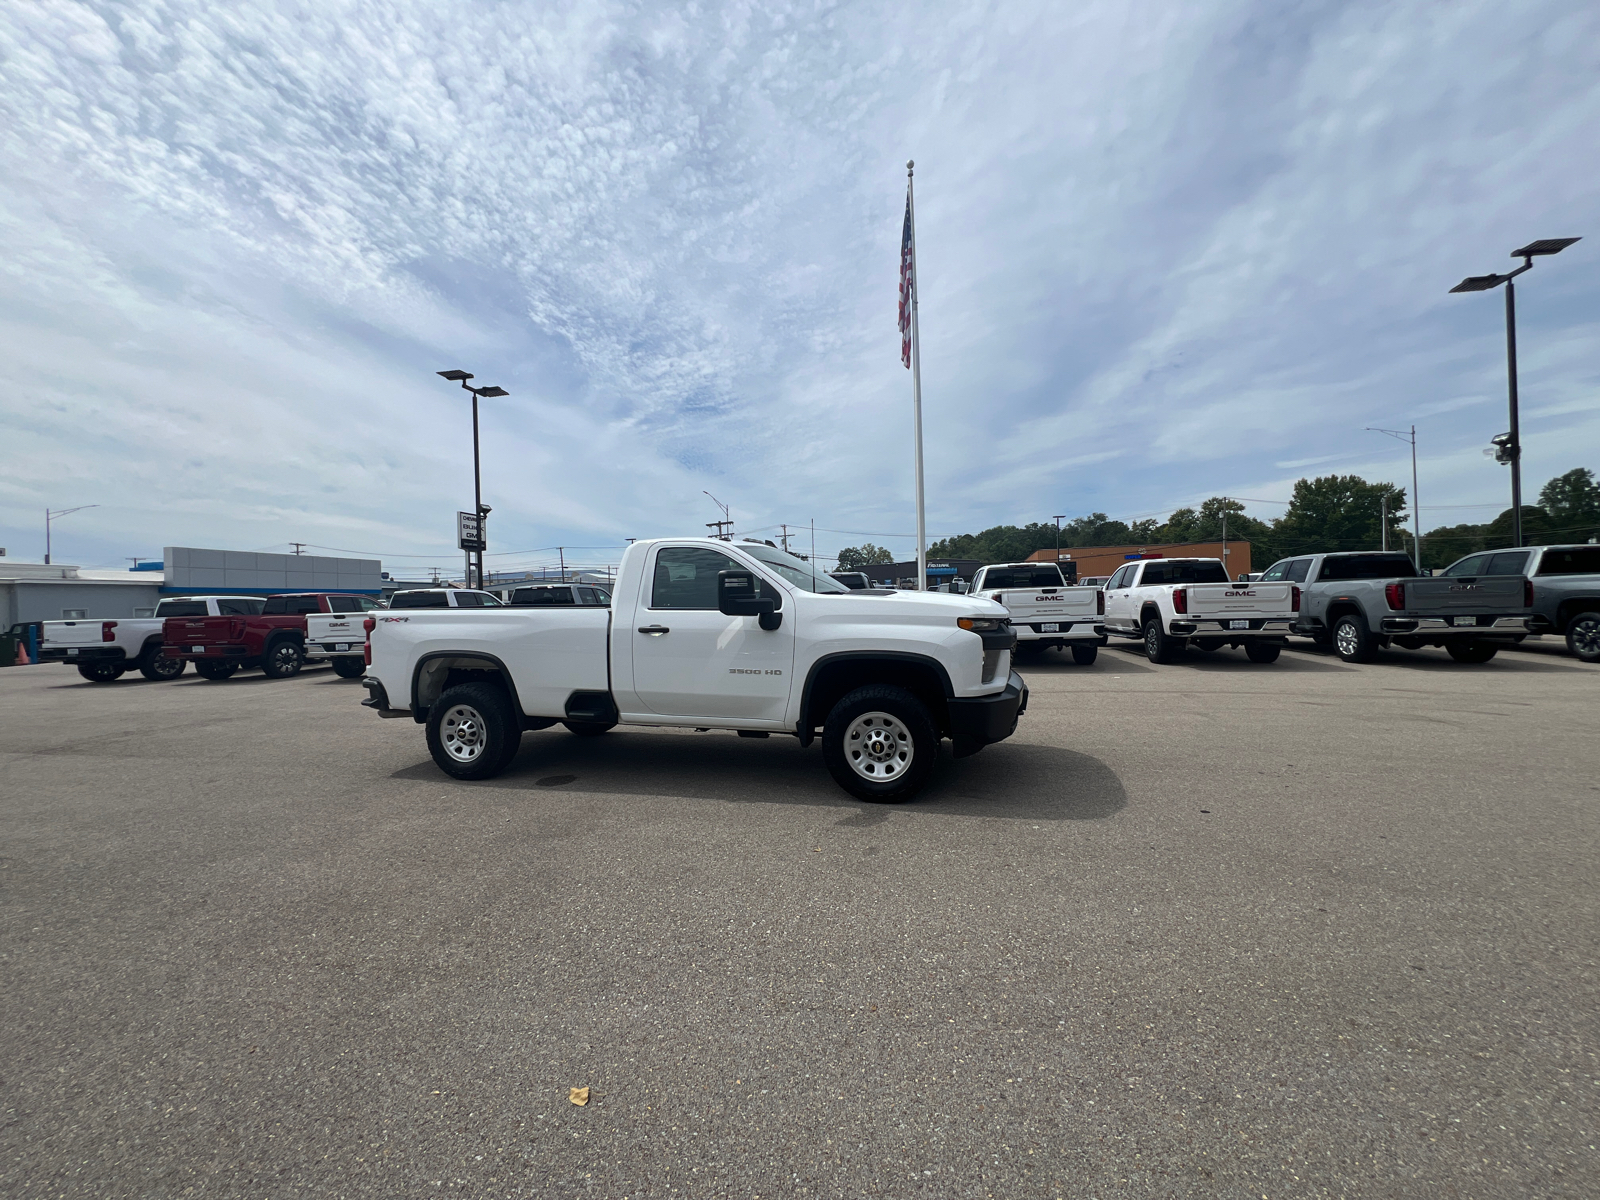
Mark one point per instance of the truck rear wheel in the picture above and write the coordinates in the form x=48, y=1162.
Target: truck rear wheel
x=349, y=668
x=880, y=744
x=1352, y=640
x=282, y=659
x=1159, y=645
x=1084, y=656
x=216, y=671
x=1471, y=652
x=155, y=666
x=1583, y=636
x=1262, y=652
x=473, y=732
x=101, y=672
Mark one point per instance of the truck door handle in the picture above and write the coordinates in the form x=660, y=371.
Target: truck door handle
x=654, y=630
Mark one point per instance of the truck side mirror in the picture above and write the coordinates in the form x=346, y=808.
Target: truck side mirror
x=739, y=595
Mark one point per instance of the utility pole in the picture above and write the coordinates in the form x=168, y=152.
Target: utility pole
x=299, y=548
x=784, y=537
x=1384, y=520
x=1225, y=542
x=562, y=551
x=1059, y=517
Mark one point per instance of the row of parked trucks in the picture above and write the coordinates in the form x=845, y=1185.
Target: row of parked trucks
x=707, y=634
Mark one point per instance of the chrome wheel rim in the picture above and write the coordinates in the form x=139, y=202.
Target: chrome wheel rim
x=285, y=656
x=1345, y=639
x=462, y=733
x=878, y=747
x=1152, y=640
x=1586, y=637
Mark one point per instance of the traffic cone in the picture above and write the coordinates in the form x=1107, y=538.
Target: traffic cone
x=22, y=655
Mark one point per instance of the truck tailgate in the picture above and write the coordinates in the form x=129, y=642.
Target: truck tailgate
x=1049, y=604
x=330, y=631
x=1240, y=600
x=189, y=632
x=1495, y=595
x=61, y=634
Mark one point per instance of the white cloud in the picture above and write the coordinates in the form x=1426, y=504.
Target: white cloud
x=1166, y=251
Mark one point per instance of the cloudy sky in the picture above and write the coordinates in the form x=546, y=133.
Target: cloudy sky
x=1167, y=251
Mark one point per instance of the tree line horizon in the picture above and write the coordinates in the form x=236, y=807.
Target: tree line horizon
x=1325, y=514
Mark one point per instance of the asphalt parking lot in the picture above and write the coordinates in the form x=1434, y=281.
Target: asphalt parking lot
x=1212, y=929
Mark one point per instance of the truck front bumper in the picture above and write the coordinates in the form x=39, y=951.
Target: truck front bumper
x=79, y=654
x=976, y=723
x=1485, y=626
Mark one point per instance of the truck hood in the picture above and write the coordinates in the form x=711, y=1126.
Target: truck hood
x=922, y=603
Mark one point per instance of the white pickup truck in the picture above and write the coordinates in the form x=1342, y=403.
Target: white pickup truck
x=711, y=635
x=1044, y=610
x=338, y=636
x=1171, y=603
x=105, y=650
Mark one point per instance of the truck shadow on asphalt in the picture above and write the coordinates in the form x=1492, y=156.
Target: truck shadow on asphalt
x=1432, y=659
x=1131, y=660
x=1012, y=780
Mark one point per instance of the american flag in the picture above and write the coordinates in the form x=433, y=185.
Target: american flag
x=908, y=270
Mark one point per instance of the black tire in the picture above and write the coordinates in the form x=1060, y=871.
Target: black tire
x=1262, y=652
x=1207, y=644
x=349, y=668
x=880, y=729
x=1159, y=645
x=1027, y=652
x=1352, y=640
x=156, y=666
x=283, y=659
x=1084, y=656
x=214, y=670
x=1583, y=636
x=473, y=732
x=590, y=728
x=101, y=672
x=1471, y=652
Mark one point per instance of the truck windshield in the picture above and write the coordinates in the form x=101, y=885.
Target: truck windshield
x=1023, y=577
x=181, y=608
x=794, y=570
x=1367, y=566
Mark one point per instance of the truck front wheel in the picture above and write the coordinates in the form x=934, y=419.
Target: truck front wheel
x=156, y=666
x=1583, y=636
x=473, y=732
x=282, y=659
x=1470, y=652
x=880, y=744
x=100, y=672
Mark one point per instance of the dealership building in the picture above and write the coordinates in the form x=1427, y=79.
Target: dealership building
x=35, y=592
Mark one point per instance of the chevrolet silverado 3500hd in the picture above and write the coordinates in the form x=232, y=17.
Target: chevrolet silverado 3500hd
x=714, y=635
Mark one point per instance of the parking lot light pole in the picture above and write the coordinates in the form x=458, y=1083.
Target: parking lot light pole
x=51, y=515
x=488, y=393
x=1512, y=448
x=1058, y=518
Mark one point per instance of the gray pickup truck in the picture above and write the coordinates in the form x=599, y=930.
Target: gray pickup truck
x=1359, y=602
x=1566, y=589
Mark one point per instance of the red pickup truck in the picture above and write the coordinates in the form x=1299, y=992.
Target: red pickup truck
x=274, y=639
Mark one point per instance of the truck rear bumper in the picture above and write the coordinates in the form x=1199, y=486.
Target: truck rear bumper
x=1258, y=627
x=976, y=723
x=190, y=654
x=1465, y=626
x=78, y=654
x=378, y=700
x=1068, y=631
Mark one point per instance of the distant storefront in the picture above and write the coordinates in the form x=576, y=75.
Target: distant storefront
x=1097, y=562
x=940, y=572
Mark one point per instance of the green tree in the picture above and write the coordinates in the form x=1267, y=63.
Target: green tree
x=1572, y=502
x=1338, y=512
x=853, y=558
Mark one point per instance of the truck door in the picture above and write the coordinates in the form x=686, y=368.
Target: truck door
x=1119, y=598
x=691, y=661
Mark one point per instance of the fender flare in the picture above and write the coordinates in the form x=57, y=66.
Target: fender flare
x=805, y=723
x=419, y=713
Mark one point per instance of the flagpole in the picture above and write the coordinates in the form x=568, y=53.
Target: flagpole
x=916, y=385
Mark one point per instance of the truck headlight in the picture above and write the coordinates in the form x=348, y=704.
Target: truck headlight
x=982, y=624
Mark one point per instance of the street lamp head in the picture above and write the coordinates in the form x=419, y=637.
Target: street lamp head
x=1480, y=283
x=485, y=509
x=454, y=376
x=491, y=392
x=1544, y=246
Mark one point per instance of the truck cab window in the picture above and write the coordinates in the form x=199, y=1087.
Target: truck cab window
x=233, y=608
x=1468, y=566
x=1276, y=572
x=686, y=577
x=1297, y=570
x=1512, y=562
